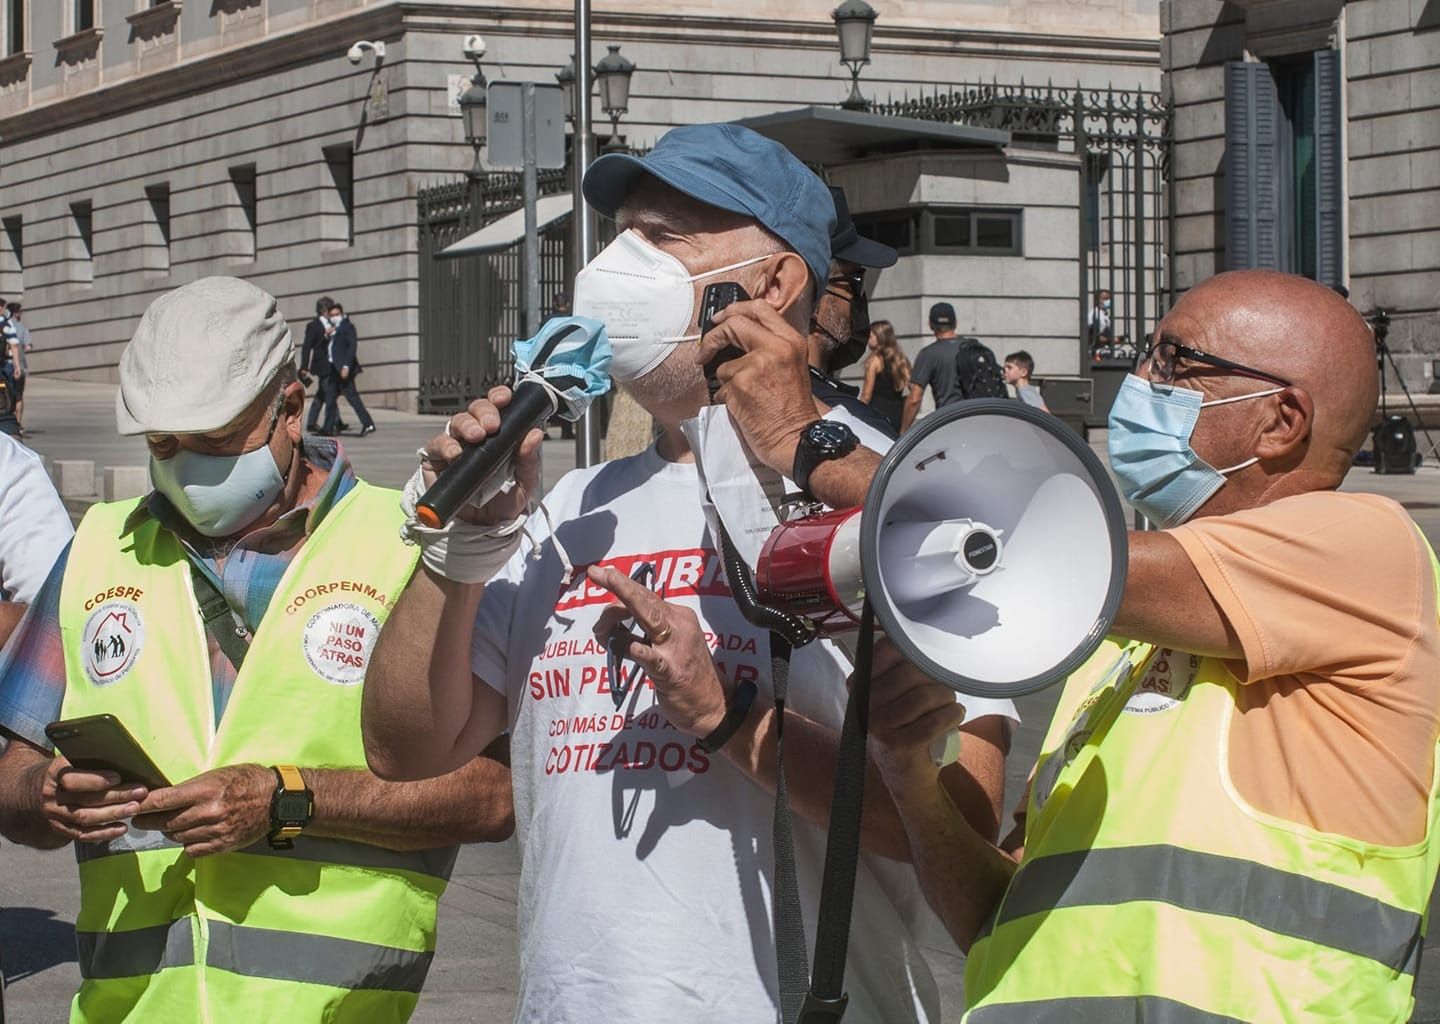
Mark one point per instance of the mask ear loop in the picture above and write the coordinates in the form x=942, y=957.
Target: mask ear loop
x=1240, y=398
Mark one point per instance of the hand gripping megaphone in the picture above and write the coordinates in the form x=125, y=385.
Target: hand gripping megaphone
x=991, y=546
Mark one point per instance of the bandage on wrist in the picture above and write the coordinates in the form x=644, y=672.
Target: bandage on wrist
x=460, y=552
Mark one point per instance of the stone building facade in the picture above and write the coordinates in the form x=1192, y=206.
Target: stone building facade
x=1345, y=99
x=145, y=143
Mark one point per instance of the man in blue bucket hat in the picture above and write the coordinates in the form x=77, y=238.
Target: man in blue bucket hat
x=644, y=774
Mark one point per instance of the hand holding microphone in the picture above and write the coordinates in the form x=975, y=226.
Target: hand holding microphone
x=478, y=423
x=560, y=370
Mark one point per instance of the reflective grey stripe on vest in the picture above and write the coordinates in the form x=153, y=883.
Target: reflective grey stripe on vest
x=135, y=953
x=1098, y=1010
x=137, y=840
x=255, y=953
x=436, y=863
x=318, y=959
x=1277, y=901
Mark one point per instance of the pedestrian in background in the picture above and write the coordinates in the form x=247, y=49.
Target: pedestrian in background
x=9, y=424
x=14, y=359
x=887, y=384
x=315, y=362
x=342, y=351
x=23, y=347
x=935, y=363
x=1101, y=325
x=1018, y=368
x=226, y=620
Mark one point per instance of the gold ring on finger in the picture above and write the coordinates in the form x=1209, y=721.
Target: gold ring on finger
x=662, y=636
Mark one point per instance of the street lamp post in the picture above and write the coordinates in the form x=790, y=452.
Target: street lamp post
x=613, y=76
x=855, y=21
x=566, y=79
x=472, y=108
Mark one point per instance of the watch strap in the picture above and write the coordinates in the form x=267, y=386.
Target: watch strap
x=288, y=781
x=805, y=460
x=808, y=457
x=735, y=716
x=290, y=778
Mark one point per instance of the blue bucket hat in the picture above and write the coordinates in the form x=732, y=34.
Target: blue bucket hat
x=735, y=169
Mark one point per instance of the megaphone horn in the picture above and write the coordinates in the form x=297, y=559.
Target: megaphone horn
x=991, y=545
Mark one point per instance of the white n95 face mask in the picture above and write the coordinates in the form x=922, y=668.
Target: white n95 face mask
x=646, y=299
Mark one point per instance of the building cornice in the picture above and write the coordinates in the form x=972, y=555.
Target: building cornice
x=80, y=45
x=15, y=67
x=150, y=21
x=253, y=59
x=315, y=41
x=805, y=35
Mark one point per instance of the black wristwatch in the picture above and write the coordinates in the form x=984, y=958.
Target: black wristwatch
x=820, y=442
x=291, y=808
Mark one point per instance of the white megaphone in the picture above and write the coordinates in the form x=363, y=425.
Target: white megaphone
x=992, y=547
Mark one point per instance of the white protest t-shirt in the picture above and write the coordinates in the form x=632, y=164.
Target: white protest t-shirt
x=36, y=526
x=646, y=863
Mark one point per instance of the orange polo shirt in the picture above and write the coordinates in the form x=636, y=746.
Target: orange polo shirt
x=1333, y=597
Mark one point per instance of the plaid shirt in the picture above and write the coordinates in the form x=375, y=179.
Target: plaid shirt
x=32, y=669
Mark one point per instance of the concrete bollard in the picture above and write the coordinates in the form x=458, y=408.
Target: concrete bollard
x=123, y=482
x=74, y=478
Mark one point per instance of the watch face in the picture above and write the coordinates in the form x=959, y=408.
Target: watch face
x=292, y=807
x=827, y=437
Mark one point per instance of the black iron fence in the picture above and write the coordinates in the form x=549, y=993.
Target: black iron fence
x=472, y=307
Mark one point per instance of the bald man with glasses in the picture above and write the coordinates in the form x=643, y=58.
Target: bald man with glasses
x=1232, y=813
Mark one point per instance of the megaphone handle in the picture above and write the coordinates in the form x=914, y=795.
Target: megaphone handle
x=945, y=750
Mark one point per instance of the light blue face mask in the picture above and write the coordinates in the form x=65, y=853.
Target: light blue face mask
x=583, y=357
x=219, y=494
x=1160, y=474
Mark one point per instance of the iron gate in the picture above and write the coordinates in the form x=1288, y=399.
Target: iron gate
x=1125, y=147
x=472, y=307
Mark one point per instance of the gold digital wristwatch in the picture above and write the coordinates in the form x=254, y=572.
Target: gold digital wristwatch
x=291, y=808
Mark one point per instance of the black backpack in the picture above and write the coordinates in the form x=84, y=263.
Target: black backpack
x=977, y=373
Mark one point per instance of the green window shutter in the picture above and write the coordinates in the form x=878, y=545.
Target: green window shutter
x=1329, y=171
x=1252, y=164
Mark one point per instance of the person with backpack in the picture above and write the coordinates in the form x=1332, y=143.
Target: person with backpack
x=977, y=371
x=956, y=368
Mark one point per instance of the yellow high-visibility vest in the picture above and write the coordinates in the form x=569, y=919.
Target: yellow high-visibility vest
x=331, y=930
x=1151, y=891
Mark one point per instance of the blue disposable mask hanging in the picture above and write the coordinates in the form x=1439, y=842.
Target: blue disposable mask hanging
x=582, y=360
x=1160, y=474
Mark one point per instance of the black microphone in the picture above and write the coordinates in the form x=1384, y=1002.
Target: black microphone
x=477, y=464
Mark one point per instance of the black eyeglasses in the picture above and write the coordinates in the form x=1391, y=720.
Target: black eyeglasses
x=855, y=281
x=1162, y=358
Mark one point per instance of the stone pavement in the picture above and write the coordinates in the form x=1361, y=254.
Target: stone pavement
x=474, y=973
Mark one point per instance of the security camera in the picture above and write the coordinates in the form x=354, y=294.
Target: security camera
x=474, y=47
x=356, y=52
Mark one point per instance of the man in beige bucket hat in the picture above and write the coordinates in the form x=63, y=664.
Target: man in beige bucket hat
x=226, y=621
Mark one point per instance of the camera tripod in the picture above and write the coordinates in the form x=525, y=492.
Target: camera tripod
x=1380, y=324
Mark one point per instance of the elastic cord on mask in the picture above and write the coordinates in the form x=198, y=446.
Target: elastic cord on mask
x=1239, y=466
x=557, y=398
x=1240, y=398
